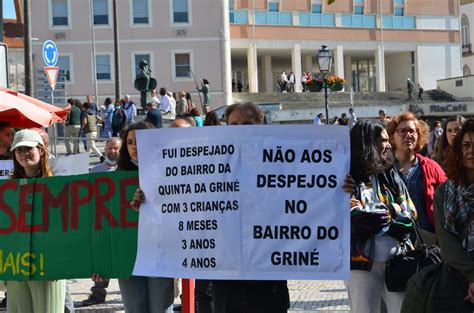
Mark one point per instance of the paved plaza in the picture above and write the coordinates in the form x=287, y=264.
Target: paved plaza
x=306, y=296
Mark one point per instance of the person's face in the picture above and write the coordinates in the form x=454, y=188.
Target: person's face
x=405, y=136
x=127, y=99
x=89, y=99
x=112, y=150
x=382, y=116
x=385, y=146
x=438, y=125
x=29, y=158
x=238, y=118
x=452, y=129
x=6, y=137
x=467, y=147
x=132, y=145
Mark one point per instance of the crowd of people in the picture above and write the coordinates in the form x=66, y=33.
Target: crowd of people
x=87, y=122
x=395, y=182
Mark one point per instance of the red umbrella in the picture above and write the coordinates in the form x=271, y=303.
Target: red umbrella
x=22, y=111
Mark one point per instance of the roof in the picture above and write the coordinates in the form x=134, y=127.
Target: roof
x=13, y=29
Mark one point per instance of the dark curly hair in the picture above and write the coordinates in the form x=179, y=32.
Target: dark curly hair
x=365, y=150
x=455, y=169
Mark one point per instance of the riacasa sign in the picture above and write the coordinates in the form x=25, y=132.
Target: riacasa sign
x=68, y=227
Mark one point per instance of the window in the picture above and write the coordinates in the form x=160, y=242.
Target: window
x=359, y=7
x=138, y=57
x=231, y=5
x=182, y=62
x=103, y=67
x=59, y=10
x=140, y=11
x=64, y=64
x=180, y=11
x=273, y=7
x=464, y=31
x=101, y=12
x=398, y=7
x=316, y=8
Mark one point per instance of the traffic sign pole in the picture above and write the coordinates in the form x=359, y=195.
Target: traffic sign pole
x=50, y=58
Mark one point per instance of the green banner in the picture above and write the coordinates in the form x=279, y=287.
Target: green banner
x=68, y=227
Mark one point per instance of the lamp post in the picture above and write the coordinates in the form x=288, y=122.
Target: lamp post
x=324, y=59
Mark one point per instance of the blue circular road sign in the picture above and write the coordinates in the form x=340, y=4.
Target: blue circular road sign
x=50, y=53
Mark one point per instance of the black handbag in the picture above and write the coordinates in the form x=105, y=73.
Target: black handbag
x=401, y=267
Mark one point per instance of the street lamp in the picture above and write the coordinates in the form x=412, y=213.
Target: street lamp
x=324, y=59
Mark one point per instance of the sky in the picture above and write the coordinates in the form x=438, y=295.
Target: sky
x=8, y=9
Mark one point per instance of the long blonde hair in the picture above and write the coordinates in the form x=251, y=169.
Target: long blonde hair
x=44, y=170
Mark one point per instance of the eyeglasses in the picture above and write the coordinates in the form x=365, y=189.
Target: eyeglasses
x=404, y=131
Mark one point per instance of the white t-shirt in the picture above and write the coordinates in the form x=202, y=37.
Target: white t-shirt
x=165, y=103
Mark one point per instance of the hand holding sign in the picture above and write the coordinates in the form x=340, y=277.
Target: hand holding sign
x=138, y=198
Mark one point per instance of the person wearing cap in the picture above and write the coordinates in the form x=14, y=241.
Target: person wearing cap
x=30, y=160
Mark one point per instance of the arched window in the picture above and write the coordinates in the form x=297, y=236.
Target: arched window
x=464, y=31
x=466, y=71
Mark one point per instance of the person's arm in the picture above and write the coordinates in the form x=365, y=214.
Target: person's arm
x=452, y=250
x=84, y=122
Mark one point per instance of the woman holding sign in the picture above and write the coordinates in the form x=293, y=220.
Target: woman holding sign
x=30, y=160
x=380, y=218
x=142, y=294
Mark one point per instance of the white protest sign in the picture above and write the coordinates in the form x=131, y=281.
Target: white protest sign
x=74, y=164
x=6, y=168
x=244, y=202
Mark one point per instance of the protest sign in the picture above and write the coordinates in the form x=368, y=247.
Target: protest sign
x=74, y=164
x=244, y=202
x=68, y=227
x=6, y=167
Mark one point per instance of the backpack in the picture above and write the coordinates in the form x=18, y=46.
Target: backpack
x=117, y=118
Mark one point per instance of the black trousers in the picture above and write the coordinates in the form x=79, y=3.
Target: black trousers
x=251, y=296
x=203, y=296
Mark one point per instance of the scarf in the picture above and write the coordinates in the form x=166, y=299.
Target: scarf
x=459, y=206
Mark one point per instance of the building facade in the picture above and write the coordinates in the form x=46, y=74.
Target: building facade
x=376, y=44
x=467, y=36
x=180, y=39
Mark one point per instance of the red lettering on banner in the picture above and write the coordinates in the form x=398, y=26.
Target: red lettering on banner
x=60, y=201
x=24, y=208
x=100, y=208
x=76, y=201
x=5, y=208
x=124, y=203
